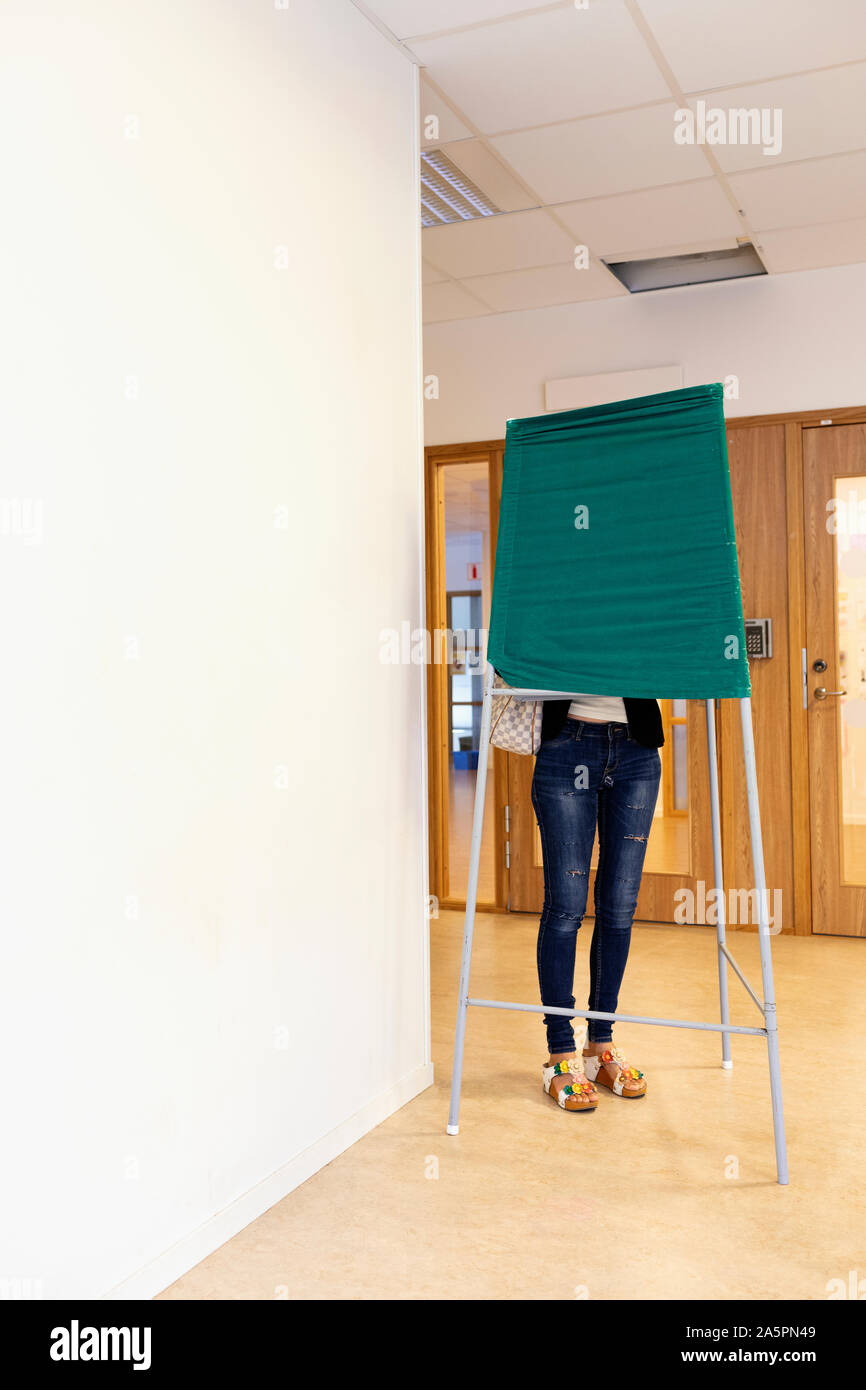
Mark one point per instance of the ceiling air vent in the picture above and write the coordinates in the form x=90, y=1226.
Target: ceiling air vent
x=447, y=195
x=697, y=268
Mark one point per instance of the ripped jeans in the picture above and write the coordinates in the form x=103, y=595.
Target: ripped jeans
x=590, y=775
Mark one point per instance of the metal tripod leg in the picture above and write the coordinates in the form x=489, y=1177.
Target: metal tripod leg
x=719, y=881
x=764, y=939
x=471, y=898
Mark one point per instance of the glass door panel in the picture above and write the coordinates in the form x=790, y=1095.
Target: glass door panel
x=850, y=526
x=466, y=506
x=834, y=490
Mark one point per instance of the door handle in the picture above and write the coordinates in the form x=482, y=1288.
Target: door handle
x=821, y=694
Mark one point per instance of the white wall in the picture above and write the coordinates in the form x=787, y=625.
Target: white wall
x=795, y=342
x=212, y=798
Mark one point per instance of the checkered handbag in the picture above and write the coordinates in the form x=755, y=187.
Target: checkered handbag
x=515, y=725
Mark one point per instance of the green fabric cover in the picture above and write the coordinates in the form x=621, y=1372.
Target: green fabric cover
x=644, y=601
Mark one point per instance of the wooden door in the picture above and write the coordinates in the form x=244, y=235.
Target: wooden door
x=757, y=459
x=834, y=465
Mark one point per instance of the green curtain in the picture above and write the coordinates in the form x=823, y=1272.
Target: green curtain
x=616, y=560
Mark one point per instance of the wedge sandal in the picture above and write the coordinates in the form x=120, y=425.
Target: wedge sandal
x=577, y=1095
x=626, y=1081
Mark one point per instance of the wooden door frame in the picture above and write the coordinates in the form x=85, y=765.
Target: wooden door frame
x=794, y=423
x=437, y=673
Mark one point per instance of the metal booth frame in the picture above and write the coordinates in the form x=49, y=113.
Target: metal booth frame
x=765, y=1005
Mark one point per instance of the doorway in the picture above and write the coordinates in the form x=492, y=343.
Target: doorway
x=463, y=486
x=462, y=513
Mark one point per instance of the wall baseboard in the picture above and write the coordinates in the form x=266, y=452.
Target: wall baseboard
x=158, y=1274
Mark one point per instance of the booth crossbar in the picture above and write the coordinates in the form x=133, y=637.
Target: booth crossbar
x=619, y=1018
x=767, y=1006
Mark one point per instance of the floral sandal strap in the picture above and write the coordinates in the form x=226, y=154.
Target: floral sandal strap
x=580, y=1090
x=628, y=1078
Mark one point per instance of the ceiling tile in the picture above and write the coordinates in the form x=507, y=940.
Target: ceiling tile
x=603, y=155
x=808, y=248
x=488, y=173
x=741, y=41
x=556, y=284
x=449, y=301
x=407, y=17
x=676, y=248
x=545, y=67
x=449, y=127
x=821, y=113
x=430, y=275
x=801, y=195
x=652, y=219
x=509, y=242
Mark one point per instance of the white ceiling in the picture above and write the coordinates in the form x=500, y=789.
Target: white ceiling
x=564, y=118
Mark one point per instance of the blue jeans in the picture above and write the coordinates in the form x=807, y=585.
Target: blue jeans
x=590, y=775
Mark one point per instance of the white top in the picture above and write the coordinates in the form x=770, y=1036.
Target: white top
x=609, y=708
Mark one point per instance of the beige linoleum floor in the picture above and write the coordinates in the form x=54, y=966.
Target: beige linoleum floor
x=673, y=1196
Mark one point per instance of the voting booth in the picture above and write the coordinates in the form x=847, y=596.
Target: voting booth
x=616, y=574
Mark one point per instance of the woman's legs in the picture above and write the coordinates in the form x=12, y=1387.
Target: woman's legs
x=565, y=787
x=626, y=802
